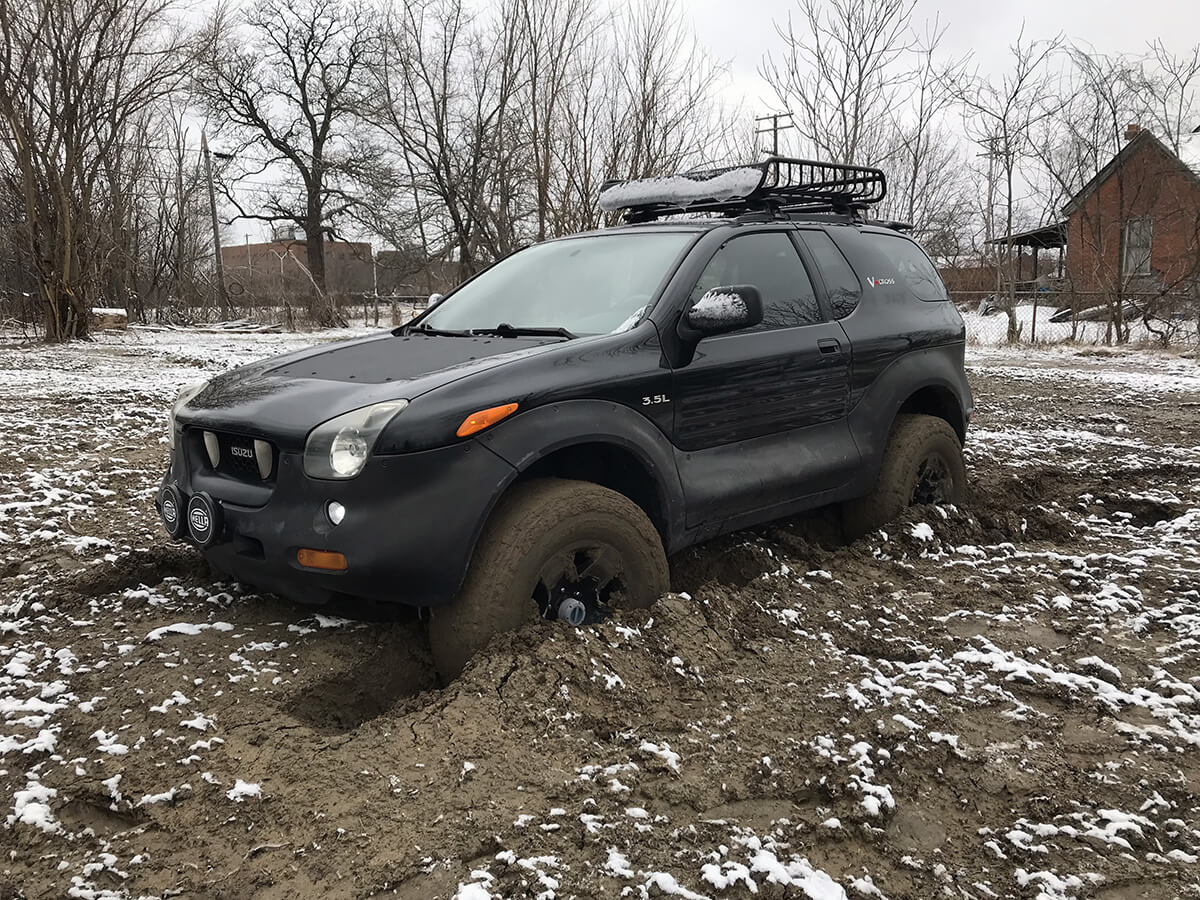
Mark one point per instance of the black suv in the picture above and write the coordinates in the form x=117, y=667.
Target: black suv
x=537, y=443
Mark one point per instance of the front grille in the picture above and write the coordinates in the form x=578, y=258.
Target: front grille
x=238, y=459
x=237, y=456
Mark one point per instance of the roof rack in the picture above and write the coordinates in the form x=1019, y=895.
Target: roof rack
x=778, y=185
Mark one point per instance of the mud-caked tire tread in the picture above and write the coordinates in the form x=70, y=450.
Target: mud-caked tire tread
x=913, y=438
x=533, y=517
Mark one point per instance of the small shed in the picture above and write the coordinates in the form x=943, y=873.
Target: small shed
x=1044, y=237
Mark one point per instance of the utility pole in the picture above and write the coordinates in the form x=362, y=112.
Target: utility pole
x=774, y=128
x=222, y=296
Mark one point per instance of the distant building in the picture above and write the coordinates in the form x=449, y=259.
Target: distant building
x=401, y=274
x=967, y=276
x=1135, y=227
x=280, y=268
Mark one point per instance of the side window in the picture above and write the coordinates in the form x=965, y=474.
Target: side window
x=769, y=261
x=913, y=266
x=843, y=285
x=1137, y=236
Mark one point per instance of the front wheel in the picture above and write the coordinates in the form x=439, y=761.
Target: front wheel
x=923, y=463
x=551, y=541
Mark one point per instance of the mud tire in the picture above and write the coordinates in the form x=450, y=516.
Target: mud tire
x=534, y=521
x=915, y=441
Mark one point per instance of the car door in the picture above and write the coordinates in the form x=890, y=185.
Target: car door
x=760, y=415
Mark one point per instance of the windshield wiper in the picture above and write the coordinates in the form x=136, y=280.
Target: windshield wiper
x=428, y=329
x=506, y=330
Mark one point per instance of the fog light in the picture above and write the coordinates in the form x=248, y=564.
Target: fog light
x=335, y=511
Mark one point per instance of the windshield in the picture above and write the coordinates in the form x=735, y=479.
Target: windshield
x=587, y=285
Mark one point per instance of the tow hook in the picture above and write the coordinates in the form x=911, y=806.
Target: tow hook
x=572, y=611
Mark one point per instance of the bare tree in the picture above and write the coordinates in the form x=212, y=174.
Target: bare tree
x=1000, y=114
x=842, y=73
x=173, y=214
x=77, y=78
x=1172, y=85
x=928, y=185
x=557, y=35
x=661, y=119
x=865, y=88
x=446, y=84
x=287, y=76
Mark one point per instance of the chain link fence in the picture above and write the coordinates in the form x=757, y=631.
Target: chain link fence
x=1167, y=321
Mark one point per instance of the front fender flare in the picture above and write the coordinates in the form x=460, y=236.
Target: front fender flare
x=524, y=439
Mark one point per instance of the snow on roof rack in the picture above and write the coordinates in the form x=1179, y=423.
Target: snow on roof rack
x=780, y=184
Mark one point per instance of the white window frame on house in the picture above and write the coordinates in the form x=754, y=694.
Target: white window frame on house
x=1132, y=242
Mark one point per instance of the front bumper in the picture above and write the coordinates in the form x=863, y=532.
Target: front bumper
x=408, y=534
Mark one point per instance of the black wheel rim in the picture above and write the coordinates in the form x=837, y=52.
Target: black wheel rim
x=591, y=572
x=934, y=483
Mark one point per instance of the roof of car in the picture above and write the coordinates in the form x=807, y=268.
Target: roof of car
x=700, y=223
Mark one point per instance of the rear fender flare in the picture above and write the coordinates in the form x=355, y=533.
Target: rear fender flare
x=872, y=417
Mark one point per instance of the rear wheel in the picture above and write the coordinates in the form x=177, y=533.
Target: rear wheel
x=922, y=464
x=551, y=542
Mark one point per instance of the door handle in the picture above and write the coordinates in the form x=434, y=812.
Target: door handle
x=829, y=346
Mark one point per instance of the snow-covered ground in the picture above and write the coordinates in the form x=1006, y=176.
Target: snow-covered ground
x=996, y=701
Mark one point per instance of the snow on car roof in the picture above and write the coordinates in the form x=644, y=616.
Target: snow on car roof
x=682, y=190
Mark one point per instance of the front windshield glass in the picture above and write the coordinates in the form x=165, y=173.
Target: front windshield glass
x=587, y=285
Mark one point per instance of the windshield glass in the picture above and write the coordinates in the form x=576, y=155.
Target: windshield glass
x=588, y=285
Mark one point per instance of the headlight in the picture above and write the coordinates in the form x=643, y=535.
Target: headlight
x=339, y=448
x=184, y=395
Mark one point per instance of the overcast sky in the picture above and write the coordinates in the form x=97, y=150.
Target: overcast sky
x=740, y=31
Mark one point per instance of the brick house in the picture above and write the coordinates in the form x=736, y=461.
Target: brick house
x=1134, y=229
x=274, y=269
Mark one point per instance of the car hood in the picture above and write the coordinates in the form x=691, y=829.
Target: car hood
x=285, y=397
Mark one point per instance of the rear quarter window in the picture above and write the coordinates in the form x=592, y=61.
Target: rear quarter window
x=841, y=284
x=912, y=265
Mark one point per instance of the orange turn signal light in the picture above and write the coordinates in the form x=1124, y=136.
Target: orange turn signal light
x=485, y=418
x=322, y=559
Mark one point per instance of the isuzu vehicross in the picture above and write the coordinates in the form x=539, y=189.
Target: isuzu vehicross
x=537, y=443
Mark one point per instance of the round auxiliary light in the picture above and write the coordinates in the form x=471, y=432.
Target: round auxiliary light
x=348, y=452
x=335, y=511
x=203, y=520
x=170, y=509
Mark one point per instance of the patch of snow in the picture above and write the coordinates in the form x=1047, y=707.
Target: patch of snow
x=717, y=306
x=618, y=864
x=31, y=806
x=242, y=789
x=923, y=531
x=186, y=628
x=662, y=751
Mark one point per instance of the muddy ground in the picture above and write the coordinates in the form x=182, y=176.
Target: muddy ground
x=1000, y=700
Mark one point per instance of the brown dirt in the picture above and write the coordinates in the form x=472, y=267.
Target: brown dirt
x=933, y=695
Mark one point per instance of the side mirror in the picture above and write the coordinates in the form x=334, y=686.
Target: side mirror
x=723, y=309
x=434, y=300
